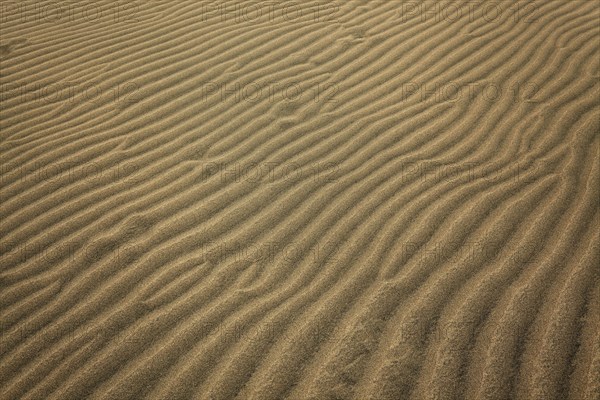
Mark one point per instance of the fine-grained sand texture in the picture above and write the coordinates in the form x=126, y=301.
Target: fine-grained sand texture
x=310, y=200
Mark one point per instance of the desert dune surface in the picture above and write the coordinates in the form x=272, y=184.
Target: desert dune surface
x=307, y=200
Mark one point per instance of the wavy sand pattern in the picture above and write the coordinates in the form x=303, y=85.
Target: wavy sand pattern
x=315, y=200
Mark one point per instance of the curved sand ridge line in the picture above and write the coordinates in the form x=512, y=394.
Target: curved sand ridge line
x=369, y=200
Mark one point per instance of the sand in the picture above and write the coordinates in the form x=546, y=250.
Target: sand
x=301, y=200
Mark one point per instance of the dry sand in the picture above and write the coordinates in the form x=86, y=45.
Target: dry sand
x=304, y=200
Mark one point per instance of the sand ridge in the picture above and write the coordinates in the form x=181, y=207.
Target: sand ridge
x=304, y=200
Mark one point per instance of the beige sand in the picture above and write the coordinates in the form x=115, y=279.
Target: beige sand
x=306, y=200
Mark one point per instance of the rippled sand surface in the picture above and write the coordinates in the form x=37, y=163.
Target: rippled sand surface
x=300, y=200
